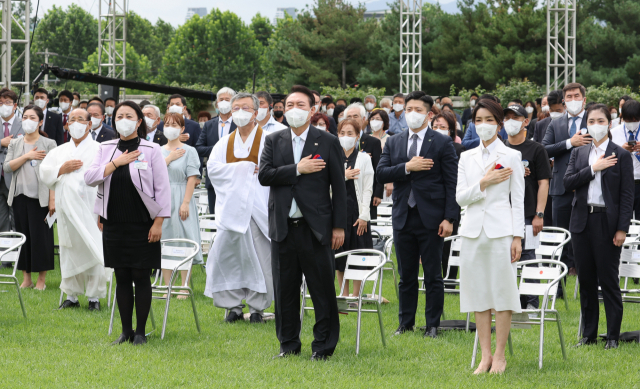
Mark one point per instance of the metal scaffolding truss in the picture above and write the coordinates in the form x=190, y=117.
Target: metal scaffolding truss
x=112, y=39
x=410, y=45
x=21, y=46
x=561, y=43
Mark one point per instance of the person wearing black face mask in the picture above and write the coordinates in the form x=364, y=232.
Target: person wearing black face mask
x=278, y=113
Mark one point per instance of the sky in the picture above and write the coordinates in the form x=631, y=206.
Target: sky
x=174, y=12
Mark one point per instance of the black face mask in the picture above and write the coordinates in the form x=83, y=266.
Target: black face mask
x=278, y=114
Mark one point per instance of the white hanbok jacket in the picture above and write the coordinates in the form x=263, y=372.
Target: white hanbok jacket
x=364, y=185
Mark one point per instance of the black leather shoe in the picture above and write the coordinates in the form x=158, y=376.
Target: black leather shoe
x=285, y=354
x=611, y=344
x=69, y=304
x=319, y=357
x=402, y=329
x=586, y=342
x=139, y=340
x=123, y=338
x=431, y=332
x=94, y=305
x=256, y=318
x=233, y=317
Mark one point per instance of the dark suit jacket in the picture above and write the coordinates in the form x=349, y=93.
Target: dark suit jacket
x=458, y=148
x=190, y=127
x=541, y=128
x=333, y=129
x=372, y=145
x=106, y=133
x=53, y=127
x=208, y=138
x=434, y=190
x=531, y=128
x=466, y=116
x=159, y=138
x=321, y=196
x=618, y=188
x=555, y=142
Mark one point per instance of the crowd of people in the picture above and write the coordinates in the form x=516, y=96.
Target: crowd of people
x=296, y=181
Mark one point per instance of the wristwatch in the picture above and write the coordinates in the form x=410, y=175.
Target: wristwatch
x=450, y=220
x=540, y=215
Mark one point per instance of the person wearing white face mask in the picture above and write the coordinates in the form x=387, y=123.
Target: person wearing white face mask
x=369, y=103
x=626, y=135
x=75, y=103
x=397, y=121
x=178, y=104
x=109, y=106
x=491, y=185
x=421, y=164
x=79, y=237
x=264, y=118
x=100, y=132
x=31, y=200
x=11, y=129
x=562, y=135
x=554, y=110
x=331, y=126
x=359, y=182
x=152, y=120
x=466, y=115
x=617, y=121
x=600, y=177
x=386, y=104
x=64, y=102
x=52, y=123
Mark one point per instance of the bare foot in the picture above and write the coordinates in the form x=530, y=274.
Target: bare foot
x=26, y=285
x=498, y=366
x=182, y=297
x=40, y=285
x=484, y=366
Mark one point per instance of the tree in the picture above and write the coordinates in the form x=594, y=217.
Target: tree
x=216, y=49
x=148, y=39
x=262, y=28
x=138, y=66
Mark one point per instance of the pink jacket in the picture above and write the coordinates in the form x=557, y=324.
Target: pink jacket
x=152, y=184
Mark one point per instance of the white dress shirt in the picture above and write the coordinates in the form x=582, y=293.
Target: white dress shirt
x=151, y=134
x=421, y=135
x=620, y=136
x=44, y=119
x=487, y=151
x=594, y=195
x=223, y=130
x=273, y=125
x=580, y=116
x=97, y=132
x=10, y=121
x=303, y=139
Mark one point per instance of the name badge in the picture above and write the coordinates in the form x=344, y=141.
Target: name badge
x=141, y=165
x=34, y=163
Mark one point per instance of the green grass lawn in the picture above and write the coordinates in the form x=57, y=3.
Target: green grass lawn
x=71, y=349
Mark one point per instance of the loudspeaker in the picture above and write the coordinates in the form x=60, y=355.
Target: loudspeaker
x=109, y=91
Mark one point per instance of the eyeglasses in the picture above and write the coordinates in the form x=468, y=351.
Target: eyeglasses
x=437, y=127
x=244, y=108
x=8, y=104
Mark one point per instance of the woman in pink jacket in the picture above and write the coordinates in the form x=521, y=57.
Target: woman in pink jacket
x=134, y=197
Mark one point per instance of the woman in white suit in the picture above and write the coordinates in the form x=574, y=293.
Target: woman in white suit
x=488, y=177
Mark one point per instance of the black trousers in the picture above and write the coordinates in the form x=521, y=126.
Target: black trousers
x=446, y=252
x=561, y=218
x=36, y=254
x=597, y=260
x=636, y=202
x=301, y=253
x=414, y=243
x=211, y=195
x=548, y=212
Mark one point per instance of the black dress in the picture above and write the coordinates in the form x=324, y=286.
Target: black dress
x=351, y=239
x=125, y=235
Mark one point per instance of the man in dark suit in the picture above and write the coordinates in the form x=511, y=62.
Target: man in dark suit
x=152, y=119
x=214, y=129
x=333, y=128
x=466, y=115
x=423, y=166
x=100, y=132
x=52, y=121
x=307, y=219
x=178, y=104
x=600, y=178
x=562, y=135
x=556, y=110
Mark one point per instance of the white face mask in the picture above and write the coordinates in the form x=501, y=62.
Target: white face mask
x=556, y=115
x=330, y=112
x=376, y=125
x=125, y=127
x=387, y=110
x=40, y=103
x=296, y=117
x=341, y=119
x=29, y=126
x=598, y=131
x=472, y=103
x=149, y=122
x=201, y=124
x=171, y=132
x=438, y=105
x=398, y=107
x=224, y=107
x=95, y=123
x=64, y=106
x=317, y=106
x=486, y=131
x=415, y=120
x=323, y=128
x=614, y=116
x=75, y=103
x=347, y=142
x=241, y=118
x=545, y=108
x=6, y=111
x=369, y=106
x=512, y=127
x=443, y=132
x=529, y=109
x=77, y=130
x=262, y=113
x=109, y=110
x=574, y=107
x=175, y=109
x=631, y=126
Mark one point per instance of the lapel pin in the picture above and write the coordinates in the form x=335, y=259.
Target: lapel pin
x=429, y=140
x=613, y=154
x=315, y=144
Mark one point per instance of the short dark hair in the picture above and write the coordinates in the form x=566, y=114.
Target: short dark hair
x=447, y=105
x=77, y=94
x=555, y=97
x=142, y=129
x=144, y=102
x=398, y=95
x=97, y=105
x=345, y=102
x=9, y=94
x=41, y=90
x=326, y=100
x=315, y=92
x=598, y=107
x=420, y=95
x=266, y=96
x=631, y=111
x=66, y=93
x=383, y=115
x=625, y=98
x=177, y=96
x=450, y=118
x=304, y=90
x=539, y=100
x=490, y=97
x=337, y=111
x=96, y=98
x=110, y=98
x=572, y=86
x=474, y=94
x=83, y=102
x=355, y=100
x=278, y=101
x=518, y=101
x=204, y=114
x=492, y=106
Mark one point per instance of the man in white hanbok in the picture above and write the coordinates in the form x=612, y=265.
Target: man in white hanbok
x=239, y=263
x=80, y=239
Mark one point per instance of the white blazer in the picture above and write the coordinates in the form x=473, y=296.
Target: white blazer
x=364, y=184
x=491, y=209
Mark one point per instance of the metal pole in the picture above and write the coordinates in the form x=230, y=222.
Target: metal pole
x=401, y=31
x=548, y=47
x=7, y=55
x=27, y=51
x=99, y=44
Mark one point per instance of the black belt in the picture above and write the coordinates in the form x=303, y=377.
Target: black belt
x=296, y=222
x=594, y=209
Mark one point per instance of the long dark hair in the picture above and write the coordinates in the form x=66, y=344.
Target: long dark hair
x=40, y=115
x=142, y=129
x=602, y=108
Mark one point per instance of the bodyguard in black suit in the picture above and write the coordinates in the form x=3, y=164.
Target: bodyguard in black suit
x=540, y=129
x=424, y=208
x=601, y=174
x=52, y=121
x=100, y=132
x=307, y=219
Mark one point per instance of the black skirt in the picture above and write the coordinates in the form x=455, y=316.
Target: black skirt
x=127, y=245
x=352, y=241
x=36, y=254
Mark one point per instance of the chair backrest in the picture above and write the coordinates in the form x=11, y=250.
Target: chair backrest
x=382, y=226
x=384, y=211
x=10, y=246
x=178, y=254
x=629, y=261
x=361, y=264
x=202, y=201
x=454, y=252
x=548, y=278
x=208, y=229
x=634, y=230
x=552, y=242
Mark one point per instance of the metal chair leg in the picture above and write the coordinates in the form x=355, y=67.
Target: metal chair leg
x=561, y=335
x=195, y=312
x=475, y=350
x=113, y=310
x=468, y=321
x=61, y=296
x=384, y=341
x=575, y=291
x=303, y=305
x=542, y=312
x=24, y=312
x=110, y=288
x=510, y=343
x=358, y=325
x=580, y=325
x=166, y=312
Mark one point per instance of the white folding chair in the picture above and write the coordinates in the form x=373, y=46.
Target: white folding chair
x=208, y=229
x=384, y=212
x=202, y=201
x=552, y=243
x=383, y=227
x=10, y=246
x=551, y=274
x=109, y=273
x=372, y=261
x=388, y=247
x=454, y=260
x=177, y=255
